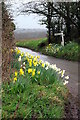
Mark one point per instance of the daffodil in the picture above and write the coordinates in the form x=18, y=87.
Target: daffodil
x=22, y=54
x=24, y=63
x=38, y=72
x=29, y=70
x=31, y=57
x=35, y=58
x=62, y=73
x=67, y=77
x=50, y=44
x=47, y=63
x=33, y=73
x=27, y=59
x=24, y=67
x=21, y=65
x=43, y=65
x=40, y=61
x=30, y=60
x=65, y=82
x=47, y=68
x=30, y=64
x=18, y=51
x=35, y=62
x=21, y=72
x=16, y=74
x=15, y=79
x=19, y=59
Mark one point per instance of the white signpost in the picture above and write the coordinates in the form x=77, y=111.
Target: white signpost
x=62, y=35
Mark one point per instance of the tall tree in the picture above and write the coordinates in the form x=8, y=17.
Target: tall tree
x=41, y=8
x=58, y=16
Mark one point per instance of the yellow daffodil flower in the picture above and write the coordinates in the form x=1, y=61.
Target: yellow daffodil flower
x=15, y=79
x=43, y=65
x=39, y=61
x=30, y=64
x=30, y=60
x=29, y=70
x=22, y=54
x=35, y=63
x=21, y=72
x=16, y=74
x=35, y=58
x=33, y=73
x=31, y=57
x=18, y=51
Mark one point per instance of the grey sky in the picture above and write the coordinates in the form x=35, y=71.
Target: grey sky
x=25, y=21
x=28, y=22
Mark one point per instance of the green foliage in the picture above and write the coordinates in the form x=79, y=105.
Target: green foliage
x=35, y=100
x=70, y=51
x=32, y=44
x=41, y=96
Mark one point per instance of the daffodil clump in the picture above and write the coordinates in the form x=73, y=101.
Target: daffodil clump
x=69, y=51
x=53, y=48
x=34, y=67
x=37, y=89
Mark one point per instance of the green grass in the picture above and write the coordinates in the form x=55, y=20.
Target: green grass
x=32, y=44
x=69, y=52
x=34, y=101
x=41, y=96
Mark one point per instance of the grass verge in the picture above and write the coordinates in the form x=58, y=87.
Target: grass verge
x=36, y=89
x=69, y=52
x=32, y=44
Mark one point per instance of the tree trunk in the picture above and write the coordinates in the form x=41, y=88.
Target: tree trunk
x=49, y=23
x=68, y=35
x=53, y=34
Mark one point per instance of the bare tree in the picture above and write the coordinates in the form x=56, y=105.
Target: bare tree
x=55, y=14
x=41, y=8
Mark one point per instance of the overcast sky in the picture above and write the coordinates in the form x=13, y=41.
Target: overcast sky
x=25, y=21
x=28, y=22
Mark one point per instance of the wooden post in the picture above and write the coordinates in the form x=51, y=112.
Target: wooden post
x=62, y=43
x=62, y=35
